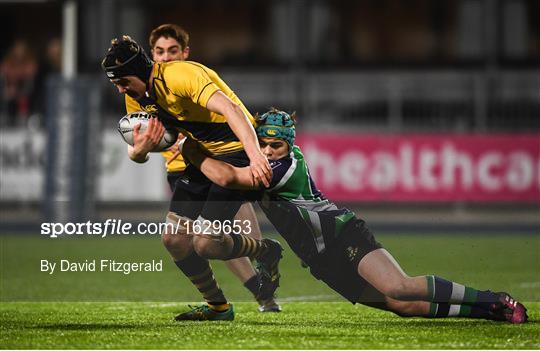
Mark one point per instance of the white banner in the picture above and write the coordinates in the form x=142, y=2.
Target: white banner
x=22, y=176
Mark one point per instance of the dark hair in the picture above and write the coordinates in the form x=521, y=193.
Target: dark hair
x=169, y=31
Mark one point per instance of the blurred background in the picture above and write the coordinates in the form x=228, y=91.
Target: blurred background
x=429, y=109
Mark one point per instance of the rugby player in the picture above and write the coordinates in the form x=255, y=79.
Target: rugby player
x=169, y=42
x=192, y=98
x=336, y=245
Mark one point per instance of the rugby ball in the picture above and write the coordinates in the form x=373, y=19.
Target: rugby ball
x=128, y=122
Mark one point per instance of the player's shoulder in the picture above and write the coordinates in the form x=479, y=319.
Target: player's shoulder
x=279, y=169
x=284, y=167
x=166, y=69
x=292, y=157
x=197, y=65
x=281, y=163
x=296, y=153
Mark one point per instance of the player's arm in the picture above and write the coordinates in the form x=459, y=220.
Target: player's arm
x=242, y=128
x=174, y=149
x=189, y=80
x=136, y=157
x=219, y=172
x=145, y=142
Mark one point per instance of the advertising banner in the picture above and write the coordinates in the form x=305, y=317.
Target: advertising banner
x=346, y=167
x=428, y=167
x=22, y=170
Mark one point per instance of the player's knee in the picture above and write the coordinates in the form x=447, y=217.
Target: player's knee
x=179, y=247
x=169, y=240
x=174, y=236
x=210, y=247
x=203, y=246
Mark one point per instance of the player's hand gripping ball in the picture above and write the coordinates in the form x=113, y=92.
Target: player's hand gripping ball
x=128, y=122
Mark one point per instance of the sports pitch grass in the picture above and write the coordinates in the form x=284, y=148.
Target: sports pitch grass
x=100, y=310
x=302, y=325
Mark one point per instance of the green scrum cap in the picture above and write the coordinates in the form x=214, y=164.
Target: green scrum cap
x=277, y=124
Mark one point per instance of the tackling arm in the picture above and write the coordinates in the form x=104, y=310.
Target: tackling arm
x=219, y=172
x=243, y=129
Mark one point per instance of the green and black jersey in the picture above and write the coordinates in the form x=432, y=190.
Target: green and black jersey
x=298, y=210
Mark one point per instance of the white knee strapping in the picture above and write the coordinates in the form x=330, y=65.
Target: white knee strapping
x=205, y=228
x=179, y=224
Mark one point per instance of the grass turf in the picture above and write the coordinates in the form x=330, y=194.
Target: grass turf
x=39, y=310
x=302, y=325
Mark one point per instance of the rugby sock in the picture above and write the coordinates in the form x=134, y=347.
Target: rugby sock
x=444, y=310
x=218, y=307
x=444, y=291
x=246, y=246
x=199, y=271
x=253, y=284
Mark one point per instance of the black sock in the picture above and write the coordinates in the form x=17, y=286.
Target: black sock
x=443, y=291
x=253, y=284
x=444, y=310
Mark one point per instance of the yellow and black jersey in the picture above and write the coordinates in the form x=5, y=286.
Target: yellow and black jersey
x=182, y=89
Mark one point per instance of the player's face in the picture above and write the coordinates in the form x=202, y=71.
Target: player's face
x=168, y=49
x=130, y=85
x=274, y=148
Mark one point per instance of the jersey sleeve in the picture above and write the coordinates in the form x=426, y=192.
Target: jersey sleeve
x=190, y=80
x=132, y=105
x=279, y=169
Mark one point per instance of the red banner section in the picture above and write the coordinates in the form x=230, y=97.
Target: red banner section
x=429, y=167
